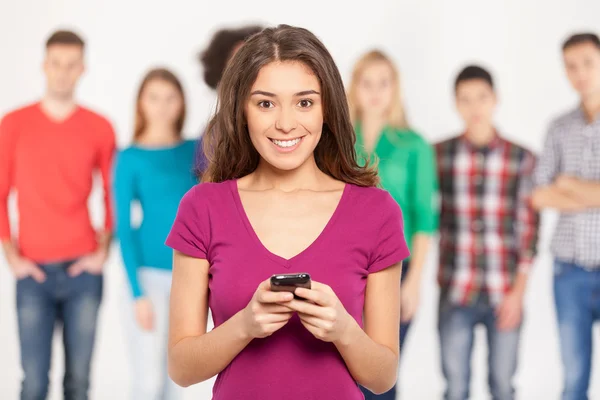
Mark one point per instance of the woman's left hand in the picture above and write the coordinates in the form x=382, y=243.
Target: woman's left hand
x=323, y=314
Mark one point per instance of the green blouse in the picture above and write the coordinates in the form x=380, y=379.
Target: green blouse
x=407, y=169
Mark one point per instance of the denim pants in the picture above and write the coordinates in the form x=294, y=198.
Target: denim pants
x=577, y=298
x=149, y=348
x=391, y=394
x=456, y=329
x=74, y=302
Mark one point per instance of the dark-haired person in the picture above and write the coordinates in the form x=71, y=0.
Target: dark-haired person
x=488, y=240
x=49, y=152
x=222, y=46
x=288, y=204
x=567, y=179
x=406, y=164
x=155, y=171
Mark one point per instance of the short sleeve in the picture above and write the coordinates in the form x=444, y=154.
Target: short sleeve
x=390, y=246
x=190, y=231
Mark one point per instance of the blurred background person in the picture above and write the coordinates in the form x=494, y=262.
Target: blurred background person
x=406, y=166
x=488, y=240
x=568, y=180
x=222, y=46
x=155, y=171
x=49, y=152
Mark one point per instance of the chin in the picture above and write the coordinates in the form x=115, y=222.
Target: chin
x=285, y=165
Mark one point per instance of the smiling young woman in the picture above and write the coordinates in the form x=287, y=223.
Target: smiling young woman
x=281, y=193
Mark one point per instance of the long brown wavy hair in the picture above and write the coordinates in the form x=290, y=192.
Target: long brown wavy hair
x=227, y=144
x=162, y=74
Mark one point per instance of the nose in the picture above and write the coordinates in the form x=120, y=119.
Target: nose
x=286, y=120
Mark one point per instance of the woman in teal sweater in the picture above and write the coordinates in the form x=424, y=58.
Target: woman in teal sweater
x=154, y=172
x=406, y=165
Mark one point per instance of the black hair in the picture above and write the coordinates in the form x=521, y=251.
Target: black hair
x=472, y=72
x=581, y=38
x=214, y=58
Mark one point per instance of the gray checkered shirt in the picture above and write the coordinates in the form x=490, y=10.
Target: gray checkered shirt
x=573, y=147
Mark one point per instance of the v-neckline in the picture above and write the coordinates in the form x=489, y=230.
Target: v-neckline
x=286, y=262
x=58, y=122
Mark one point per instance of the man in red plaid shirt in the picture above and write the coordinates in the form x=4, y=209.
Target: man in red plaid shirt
x=488, y=239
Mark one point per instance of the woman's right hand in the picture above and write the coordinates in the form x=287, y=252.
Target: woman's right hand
x=266, y=313
x=144, y=315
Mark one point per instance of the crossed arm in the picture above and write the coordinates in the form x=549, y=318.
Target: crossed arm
x=568, y=194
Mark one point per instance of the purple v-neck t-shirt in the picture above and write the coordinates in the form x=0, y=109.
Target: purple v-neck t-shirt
x=363, y=236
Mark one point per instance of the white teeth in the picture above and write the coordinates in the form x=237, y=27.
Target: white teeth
x=286, y=143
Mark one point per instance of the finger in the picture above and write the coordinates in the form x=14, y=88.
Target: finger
x=75, y=269
x=320, y=287
x=406, y=313
x=317, y=297
x=504, y=318
x=406, y=309
x=311, y=309
x=272, y=328
x=275, y=308
x=150, y=324
x=319, y=333
x=514, y=320
x=37, y=274
x=266, y=319
x=316, y=322
x=265, y=285
x=266, y=296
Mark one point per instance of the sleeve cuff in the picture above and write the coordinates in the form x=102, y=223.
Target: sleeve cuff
x=185, y=248
x=399, y=255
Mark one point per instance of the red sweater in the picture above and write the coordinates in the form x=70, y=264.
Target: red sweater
x=50, y=165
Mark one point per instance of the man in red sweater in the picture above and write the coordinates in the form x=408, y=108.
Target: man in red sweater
x=49, y=152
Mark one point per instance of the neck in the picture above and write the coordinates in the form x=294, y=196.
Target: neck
x=159, y=135
x=481, y=135
x=372, y=126
x=591, y=106
x=58, y=106
x=307, y=176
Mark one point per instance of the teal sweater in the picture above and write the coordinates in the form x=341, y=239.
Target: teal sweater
x=156, y=178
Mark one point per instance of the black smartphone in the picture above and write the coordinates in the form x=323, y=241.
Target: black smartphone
x=289, y=282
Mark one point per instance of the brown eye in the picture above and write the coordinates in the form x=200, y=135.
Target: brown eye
x=305, y=103
x=265, y=104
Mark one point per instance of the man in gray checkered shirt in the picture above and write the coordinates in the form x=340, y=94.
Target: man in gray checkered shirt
x=567, y=178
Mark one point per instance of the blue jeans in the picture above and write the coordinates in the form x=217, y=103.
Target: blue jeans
x=75, y=303
x=577, y=298
x=456, y=329
x=391, y=394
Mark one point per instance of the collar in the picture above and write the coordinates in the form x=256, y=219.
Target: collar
x=494, y=143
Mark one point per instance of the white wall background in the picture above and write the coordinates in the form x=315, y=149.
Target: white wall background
x=519, y=40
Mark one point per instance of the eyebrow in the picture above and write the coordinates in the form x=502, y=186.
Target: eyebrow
x=268, y=94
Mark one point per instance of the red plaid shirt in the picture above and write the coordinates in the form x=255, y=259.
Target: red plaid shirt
x=488, y=229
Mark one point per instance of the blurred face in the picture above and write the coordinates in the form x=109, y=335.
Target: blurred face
x=375, y=90
x=582, y=63
x=161, y=103
x=285, y=115
x=476, y=101
x=63, y=67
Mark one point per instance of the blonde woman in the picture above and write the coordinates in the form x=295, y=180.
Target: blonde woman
x=406, y=166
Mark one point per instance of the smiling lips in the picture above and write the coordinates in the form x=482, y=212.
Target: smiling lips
x=286, y=145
